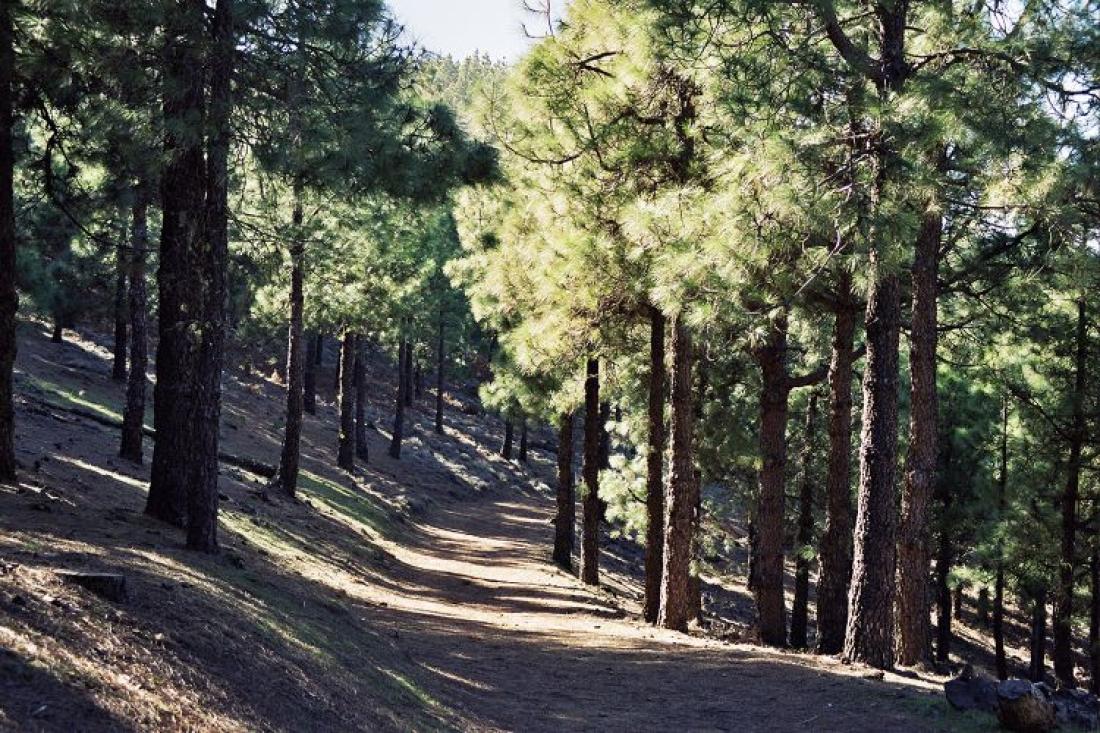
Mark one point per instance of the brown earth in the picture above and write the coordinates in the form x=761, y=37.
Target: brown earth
x=412, y=595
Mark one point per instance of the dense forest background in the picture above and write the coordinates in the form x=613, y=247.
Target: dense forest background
x=805, y=289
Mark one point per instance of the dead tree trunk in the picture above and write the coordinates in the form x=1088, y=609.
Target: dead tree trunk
x=1063, y=597
x=133, y=416
x=920, y=469
x=800, y=609
x=655, y=489
x=836, y=540
x=680, y=507
x=590, y=530
x=566, y=517
x=345, y=455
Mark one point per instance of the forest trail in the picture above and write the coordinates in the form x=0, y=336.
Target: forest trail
x=411, y=595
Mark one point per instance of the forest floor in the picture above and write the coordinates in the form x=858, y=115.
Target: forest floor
x=413, y=595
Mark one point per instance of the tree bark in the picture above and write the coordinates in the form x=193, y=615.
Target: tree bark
x=523, y=440
x=590, y=530
x=399, y=408
x=179, y=281
x=1001, y=661
x=800, y=609
x=1038, y=645
x=439, y=351
x=122, y=270
x=133, y=416
x=1063, y=597
x=768, y=548
x=409, y=352
x=506, y=445
x=566, y=517
x=680, y=501
x=9, y=300
x=309, y=377
x=202, y=510
x=58, y=335
x=362, y=450
x=869, y=636
x=319, y=357
x=287, y=478
x=836, y=540
x=345, y=455
x=655, y=489
x=1094, y=622
x=920, y=469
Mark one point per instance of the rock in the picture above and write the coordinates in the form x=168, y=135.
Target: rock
x=1025, y=707
x=111, y=586
x=971, y=692
x=1077, y=708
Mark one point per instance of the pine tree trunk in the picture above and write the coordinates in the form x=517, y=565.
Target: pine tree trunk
x=399, y=408
x=604, y=451
x=309, y=377
x=58, y=335
x=590, y=529
x=122, y=269
x=800, y=609
x=409, y=351
x=958, y=595
x=418, y=381
x=345, y=454
x=566, y=517
x=439, y=376
x=523, y=440
x=1094, y=622
x=319, y=356
x=362, y=450
x=1038, y=645
x=920, y=470
x=179, y=282
x=133, y=416
x=768, y=548
x=836, y=540
x=1063, y=597
x=287, y=478
x=869, y=637
x=655, y=487
x=676, y=606
x=9, y=300
x=999, y=583
x=506, y=446
x=202, y=508
x=943, y=598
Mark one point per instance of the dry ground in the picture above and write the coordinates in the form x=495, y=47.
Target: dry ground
x=414, y=595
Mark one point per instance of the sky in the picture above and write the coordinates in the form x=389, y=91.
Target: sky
x=461, y=27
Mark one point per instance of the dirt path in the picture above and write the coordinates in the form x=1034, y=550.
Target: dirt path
x=411, y=595
x=518, y=645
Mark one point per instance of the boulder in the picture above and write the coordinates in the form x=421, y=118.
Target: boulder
x=1077, y=709
x=111, y=586
x=972, y=692
x=1025, y=707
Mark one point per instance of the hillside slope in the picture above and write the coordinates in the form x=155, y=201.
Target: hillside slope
x=414, y=594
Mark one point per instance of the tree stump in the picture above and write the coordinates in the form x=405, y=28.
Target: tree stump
x=110, y=586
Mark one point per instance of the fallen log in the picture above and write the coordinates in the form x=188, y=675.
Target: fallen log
x=251, y=465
